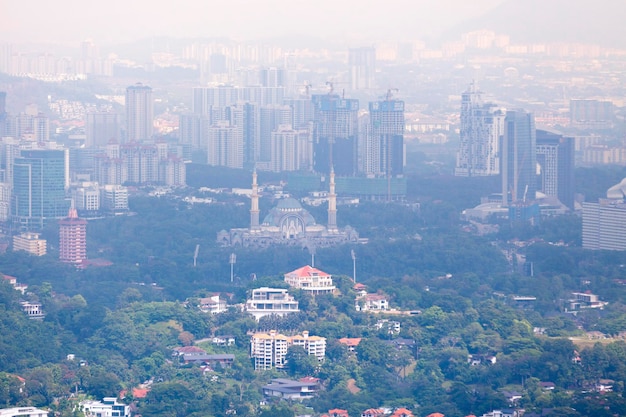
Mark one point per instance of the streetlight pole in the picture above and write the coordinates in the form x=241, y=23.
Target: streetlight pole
x=353, y=265
x=232, y=260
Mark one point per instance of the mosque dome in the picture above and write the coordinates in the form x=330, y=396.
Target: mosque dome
x=288, y=207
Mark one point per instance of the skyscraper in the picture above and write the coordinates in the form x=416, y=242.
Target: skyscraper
x=519, y=162
x=335, y=134
x=139, y=113
x=270, y=118
x=72, y=238
x=482, y=126
x=100, y=128
x=383, y=150
x=555, y=160
x=39, y=178
x=362, y=63
x=225, y=145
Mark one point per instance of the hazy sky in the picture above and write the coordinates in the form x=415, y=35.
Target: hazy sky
x=117, y=20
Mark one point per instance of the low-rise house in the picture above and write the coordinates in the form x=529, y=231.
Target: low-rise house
x=32, y=310
x=23, y=412
x=188, y=350
x=212, y=304
x=336, y=412
x=360, y=289
x=311, y=280
x=108, y=407
x=604, y=385
x=504, y=413
x=224, y=359
x=372, y=302
x=512, y=396
x=224, y=340
x=478, y=359
x=290, y=389
x=402, y=412
x=267, y=301
x=547, y=386
x=391, y=326
x=373, y=412
x=350, y=342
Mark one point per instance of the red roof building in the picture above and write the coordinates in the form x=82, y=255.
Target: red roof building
x=310, y=279
x=72, y=238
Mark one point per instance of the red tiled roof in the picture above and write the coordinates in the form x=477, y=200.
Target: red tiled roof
x=354, y=341
x=140, y=392
x=308, y=271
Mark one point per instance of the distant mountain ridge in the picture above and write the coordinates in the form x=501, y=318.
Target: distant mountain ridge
x=599, y=22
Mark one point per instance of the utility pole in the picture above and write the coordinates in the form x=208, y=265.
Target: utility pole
x=232, y=260
x=353, y=265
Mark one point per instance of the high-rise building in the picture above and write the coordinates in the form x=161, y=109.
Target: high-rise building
x=204, y=98
x=382, y=152
x=269, y=350
x=101, y=128
x=139, y=113
x=555, y=161
x=39, y=179
x=72, y=238
x=3, y=112
x=362, y=63
x=270, y=118
x=604, y=225
x=591, y=114
x=482, y=127
x=289, y=149
x=225, y=145
x=519, y=162
x=335, y=134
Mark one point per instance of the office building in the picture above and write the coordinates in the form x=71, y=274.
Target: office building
x=139, y=113
x=86, y=197
x=482, y=127
x=39, y=179
x=604, y=225
x=72, y=238
x=382, y=151
x=555, y=162
x=362, y=67
x=335, y=134
x=31, y=243
x=519, y=162
x=269, y=350
x=101, y=128
x=114, y=198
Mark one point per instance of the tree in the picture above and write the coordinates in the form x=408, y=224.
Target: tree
x=299, y=362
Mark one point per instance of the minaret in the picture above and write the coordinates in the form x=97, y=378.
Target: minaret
x=332, y=203
x=254, y=205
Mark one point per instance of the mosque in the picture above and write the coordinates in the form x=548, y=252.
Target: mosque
x=289, y=224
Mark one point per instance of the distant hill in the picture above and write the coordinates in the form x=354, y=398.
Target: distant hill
x=595, y=22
